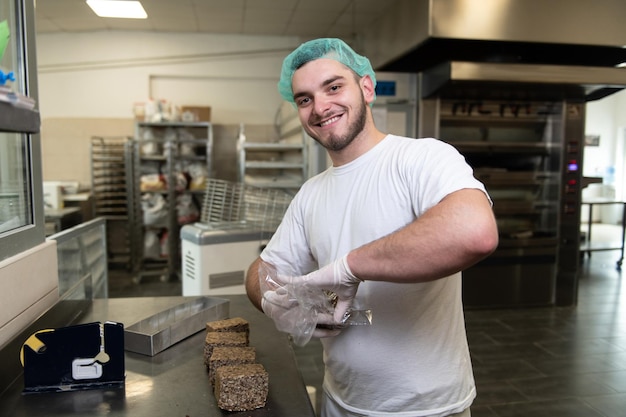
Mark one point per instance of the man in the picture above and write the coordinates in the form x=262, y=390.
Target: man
x=388, y=227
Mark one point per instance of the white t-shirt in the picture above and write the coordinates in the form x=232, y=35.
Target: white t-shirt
x=414, y=359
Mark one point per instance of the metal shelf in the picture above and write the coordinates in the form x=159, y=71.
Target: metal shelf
x=18, y=120
x=590, y=246
x=192, y=143
x=273, y=164
x=282, y=181
x=111, y=169
x=271, y=146
x=277, y=164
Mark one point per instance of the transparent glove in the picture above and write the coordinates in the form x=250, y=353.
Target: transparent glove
x=313, y=305
x=280, y=303
x=337, y=278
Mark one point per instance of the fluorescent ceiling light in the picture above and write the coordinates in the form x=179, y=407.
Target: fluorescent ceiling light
x=126, y=9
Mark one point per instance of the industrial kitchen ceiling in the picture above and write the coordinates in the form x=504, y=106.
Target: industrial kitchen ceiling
x=303, y=18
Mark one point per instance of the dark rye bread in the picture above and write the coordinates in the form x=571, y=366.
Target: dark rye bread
x=222, y=339
x=230, y=355
x=241, y=387
x=235, y=324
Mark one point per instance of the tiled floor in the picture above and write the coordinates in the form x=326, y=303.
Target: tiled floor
x=557, y=361
x=552, y=362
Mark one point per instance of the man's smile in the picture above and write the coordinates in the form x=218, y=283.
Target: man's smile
x=329, y=121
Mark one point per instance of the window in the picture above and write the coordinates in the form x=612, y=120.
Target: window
x=21, y=201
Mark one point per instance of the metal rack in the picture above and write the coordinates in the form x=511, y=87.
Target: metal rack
x=18, y=120
x=590, y=246
x=234, y=204
x=279, y=163
x=167, y=148
x=236, y=223
x=111, y=171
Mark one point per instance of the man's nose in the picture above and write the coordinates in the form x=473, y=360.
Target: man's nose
x=322, y=105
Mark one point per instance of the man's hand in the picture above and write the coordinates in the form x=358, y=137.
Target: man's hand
x=299, y=305
x=335, y=277
x=279, y=301
x=276, y=305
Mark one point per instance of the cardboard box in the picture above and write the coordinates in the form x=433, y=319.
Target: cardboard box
x=52, y=195
x=199, y=113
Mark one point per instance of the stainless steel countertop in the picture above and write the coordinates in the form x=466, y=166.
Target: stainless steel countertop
x=174, y=382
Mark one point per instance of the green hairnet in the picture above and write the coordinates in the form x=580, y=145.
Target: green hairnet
x=330, y=48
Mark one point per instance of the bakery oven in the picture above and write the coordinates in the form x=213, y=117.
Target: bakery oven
x=507, y=84
x=524, y=142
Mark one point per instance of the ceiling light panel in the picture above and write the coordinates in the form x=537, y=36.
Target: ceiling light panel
x=124, y=9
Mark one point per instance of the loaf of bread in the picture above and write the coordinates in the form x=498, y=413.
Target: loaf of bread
x=235, y=324
x=222, y=339
x=241, y=387
x=223, y=356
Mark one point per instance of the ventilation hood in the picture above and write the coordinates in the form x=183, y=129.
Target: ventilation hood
x=577, y=44
x=523, y=81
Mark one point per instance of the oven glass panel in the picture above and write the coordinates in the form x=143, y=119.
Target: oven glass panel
x=514, y=149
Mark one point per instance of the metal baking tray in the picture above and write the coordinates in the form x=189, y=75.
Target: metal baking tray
x=162, y=330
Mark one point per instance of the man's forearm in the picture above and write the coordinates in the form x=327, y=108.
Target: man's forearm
x=450, y=237
x=252, y=284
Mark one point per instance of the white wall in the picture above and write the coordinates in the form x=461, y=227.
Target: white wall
x=101, y=74
x=601, y=120
x=29, y=285
x=90, y=80
x=606, y=118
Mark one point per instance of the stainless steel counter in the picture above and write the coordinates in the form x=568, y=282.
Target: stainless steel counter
x=172, y=383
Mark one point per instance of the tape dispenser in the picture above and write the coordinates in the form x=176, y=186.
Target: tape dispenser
x=75, y=357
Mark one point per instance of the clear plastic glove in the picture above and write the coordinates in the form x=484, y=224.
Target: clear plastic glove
x=320, y=307
x=337, y=278
x=289, y=316
x=280, y=303
x=302, y=306
x=277, y=304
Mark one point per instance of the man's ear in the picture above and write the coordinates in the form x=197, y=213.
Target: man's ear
x=369, y=92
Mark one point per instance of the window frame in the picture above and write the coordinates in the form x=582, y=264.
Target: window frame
x=16, y=241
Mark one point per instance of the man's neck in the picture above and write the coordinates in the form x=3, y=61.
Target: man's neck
x=366, y=140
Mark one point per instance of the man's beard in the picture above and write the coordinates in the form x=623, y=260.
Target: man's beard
x=336, y=142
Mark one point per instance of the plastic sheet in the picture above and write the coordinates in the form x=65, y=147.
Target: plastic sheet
x=304, y=308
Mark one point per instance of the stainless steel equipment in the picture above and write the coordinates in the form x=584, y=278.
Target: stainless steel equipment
x=215, y=258
x=168, y=327
x=507, y=83
x=416, y=35
x=237, y=221
x=524, y=139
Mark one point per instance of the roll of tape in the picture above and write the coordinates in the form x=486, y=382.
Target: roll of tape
x=34, y=343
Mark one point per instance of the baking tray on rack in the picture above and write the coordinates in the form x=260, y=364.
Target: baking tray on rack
x=162, y=330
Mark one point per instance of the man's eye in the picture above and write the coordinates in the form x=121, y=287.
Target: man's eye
x=303, y=101
x=334, y=87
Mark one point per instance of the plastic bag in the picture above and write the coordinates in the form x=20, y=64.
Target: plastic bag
x=302, y=308
x=155, y=210
x=186, y=146
x=289, y=315
x=199, y=175
x=352, y=317
x=186, y=209
x=149, y=146
x=152, y=182
x=151, y=245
